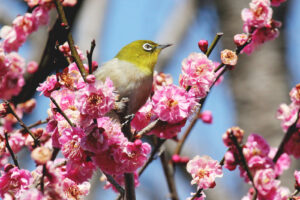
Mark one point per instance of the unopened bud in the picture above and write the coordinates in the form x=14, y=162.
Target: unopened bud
x=41, y=155
x=240, y=39
x=236, y=131
x=90, y=78
x=203, y=45
x=206, y=117
x=229, y=57
x=32, y=67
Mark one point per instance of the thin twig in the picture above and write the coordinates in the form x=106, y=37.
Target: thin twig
x=243, y=160
x=286, y=138
x=40, y=122
x=129, y=186
x=74, y=52
x=294, y=194
x=148, y=128
x=151, y=158
x=89, y=55
x=169, y=176
x=36, y=141
x=195, y=118
x=61, y=111
x=43, y=177
x=115, y=184
x=10, y=150
x=197, y=194
x=214, y=43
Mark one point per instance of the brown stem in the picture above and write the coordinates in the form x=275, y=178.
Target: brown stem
x=36, y=141
x=294, y=194
x=151, y=158
x=115, y=184
x=61, y=111
x=198, y=194
x=90, y=56
x=74, y=52
x=214, y=43
x=148, y=128
x=129, y=186
x=169, y=176
x=292, y=129
x=39, y=122
x=243, y=160
x=42, y=178
x=10, y=150
x=54, y=153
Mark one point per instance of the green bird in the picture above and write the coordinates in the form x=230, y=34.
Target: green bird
x=131, y=71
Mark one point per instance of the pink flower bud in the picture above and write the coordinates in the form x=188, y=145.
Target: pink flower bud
x=206, y=117
x=32, y=67
x=236, y=131
x=240, y=39
x=228, y=57
x=203, y=44
x=90, y=78
x=175, y=158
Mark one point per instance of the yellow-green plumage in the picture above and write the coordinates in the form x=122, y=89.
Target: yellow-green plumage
x=132, y=72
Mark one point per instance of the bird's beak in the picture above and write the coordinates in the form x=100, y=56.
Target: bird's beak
x=162, y=46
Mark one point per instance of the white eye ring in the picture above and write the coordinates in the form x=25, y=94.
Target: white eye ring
x=147, y=47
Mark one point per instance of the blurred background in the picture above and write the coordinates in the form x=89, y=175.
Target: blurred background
x=248, y=97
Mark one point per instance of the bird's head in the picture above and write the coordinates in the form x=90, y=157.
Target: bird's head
x=142, y=53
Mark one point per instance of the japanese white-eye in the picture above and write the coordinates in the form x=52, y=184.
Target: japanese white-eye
x=132, y=72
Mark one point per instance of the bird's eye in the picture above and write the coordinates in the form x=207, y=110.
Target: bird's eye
x=147, y=47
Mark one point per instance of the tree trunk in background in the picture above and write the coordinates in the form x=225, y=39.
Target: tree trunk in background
x=259, y=82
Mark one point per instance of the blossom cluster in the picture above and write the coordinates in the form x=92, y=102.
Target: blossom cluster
x=288, y=114
x=258, y=24
x=258, y=156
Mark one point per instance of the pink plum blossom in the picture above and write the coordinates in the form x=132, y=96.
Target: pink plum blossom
x=172, y=104
x=161, y=79
x=197, y=73
x=65, y=49
x=287, y=114
x=14, y=180
x=238, y=134
x=204, y=170
x=99, y=138
x=256, y=145
x=96, y=99
x=48, y=86
x=240, y=39
x=258, y=15
x=72, y=190
x=12, y=81
x=70, y=144
x=32, y=67
x=80, y=171
x=292, y=147
x=143, y=117
x=133, y=155
x=265, y=182
x=295, y=95
x=283, y=162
